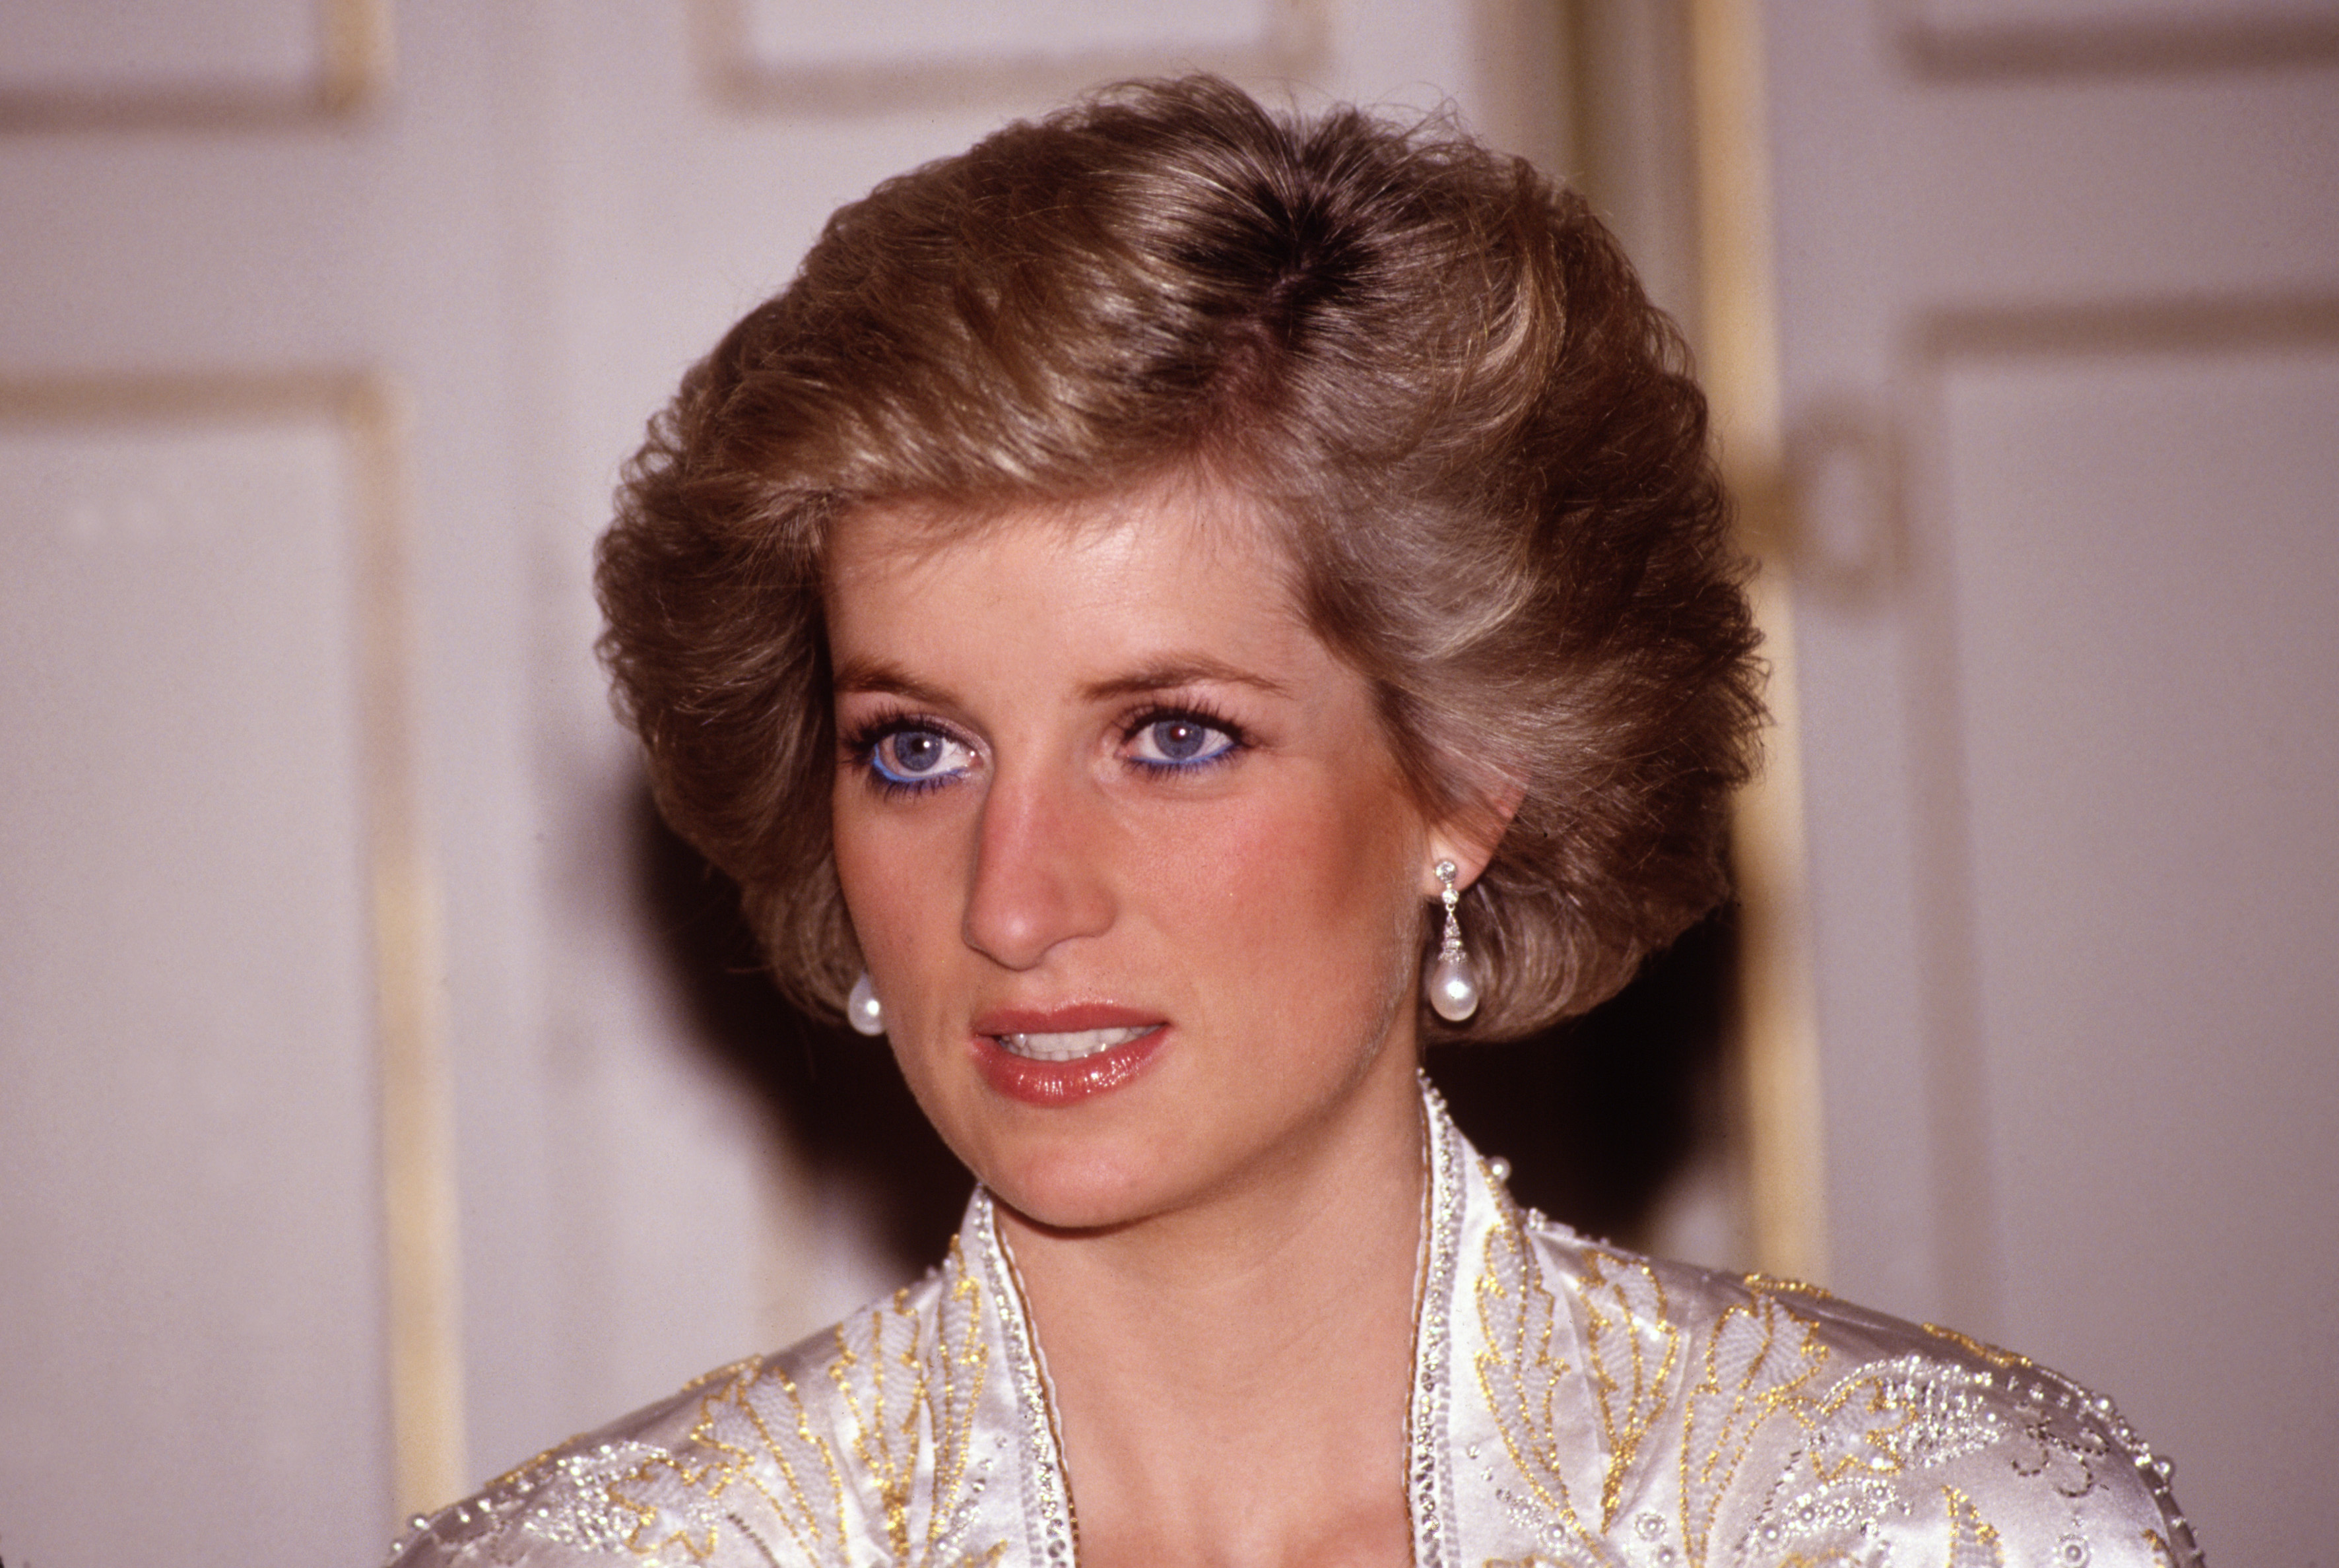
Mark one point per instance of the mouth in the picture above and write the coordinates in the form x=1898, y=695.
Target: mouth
x=1070, y=1045
x=1053, y=1057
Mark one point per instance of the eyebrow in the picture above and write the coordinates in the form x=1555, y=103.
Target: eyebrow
x=864, y=675
x=1186, y=670
x=876, y=675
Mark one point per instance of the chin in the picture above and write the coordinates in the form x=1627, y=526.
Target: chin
x=1071, y=1192
x=1062, y=1175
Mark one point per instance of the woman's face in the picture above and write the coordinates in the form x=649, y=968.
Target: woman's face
x=1136, y=877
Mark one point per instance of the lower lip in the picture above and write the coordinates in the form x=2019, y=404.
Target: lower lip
x=1051, y=1084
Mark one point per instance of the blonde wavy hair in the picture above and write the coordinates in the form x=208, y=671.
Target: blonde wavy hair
x=1432, y=368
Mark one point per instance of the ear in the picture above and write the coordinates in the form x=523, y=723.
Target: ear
x=1469, y=837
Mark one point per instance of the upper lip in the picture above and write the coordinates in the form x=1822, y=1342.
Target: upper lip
x=1071, y=1019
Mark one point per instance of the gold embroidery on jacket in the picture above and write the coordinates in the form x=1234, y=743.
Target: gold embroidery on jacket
x=1774, y=1284
x=884, y=1428
x=1758, y=1361
x=909, y=1386
x=892, y=1387
x=572, y=1501
x=1634, y=1348
x=1973, y=1540
x=2004, y=1360
x=1865, y=1437
x=752, y=1435
x=1893, y=1416
x=1748, y=1384
x=1516, y=1371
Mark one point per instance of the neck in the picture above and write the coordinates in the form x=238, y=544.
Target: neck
x=1232, y=1377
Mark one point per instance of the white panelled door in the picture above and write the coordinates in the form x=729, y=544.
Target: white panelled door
x=2067, y=273
x=353, y=1143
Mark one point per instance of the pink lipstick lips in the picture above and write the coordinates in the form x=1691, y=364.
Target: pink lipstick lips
x=1060, y=1056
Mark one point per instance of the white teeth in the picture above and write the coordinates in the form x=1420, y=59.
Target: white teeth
x=1071, y=1047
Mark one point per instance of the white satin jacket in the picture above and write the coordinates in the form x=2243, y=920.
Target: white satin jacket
x=1573, y=1405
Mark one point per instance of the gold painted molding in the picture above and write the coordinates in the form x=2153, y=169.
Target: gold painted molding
x=423, y=1324
x=355, y=61
x=1777, y=1033
x=2193, y=324
x=2155, y=46
x=1294, y=45
x=417, y=1135
x=1533, y=97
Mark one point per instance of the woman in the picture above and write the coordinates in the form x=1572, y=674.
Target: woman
x=1171, y=610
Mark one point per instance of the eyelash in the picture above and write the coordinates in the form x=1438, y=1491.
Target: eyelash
x=1189, y=713
x=860, y=746
x=861, y=749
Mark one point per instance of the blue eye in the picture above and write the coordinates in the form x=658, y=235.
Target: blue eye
x=1179, y=741
x=914, y=756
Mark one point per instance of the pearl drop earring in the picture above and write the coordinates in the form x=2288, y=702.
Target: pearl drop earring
x=1453, y=984
x=862, y=1010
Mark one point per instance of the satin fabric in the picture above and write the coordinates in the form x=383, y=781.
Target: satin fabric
x=1573, y=1405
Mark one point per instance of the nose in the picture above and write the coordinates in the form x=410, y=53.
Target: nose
x=1039, y=875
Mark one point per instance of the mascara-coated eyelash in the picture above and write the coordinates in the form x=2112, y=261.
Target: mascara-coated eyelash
x=906, y=755
x=1185, y=739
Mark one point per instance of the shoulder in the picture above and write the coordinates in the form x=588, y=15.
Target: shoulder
x=1794, y=1426
x=583, y=1500
x=761, y=1462
x=645, y=1489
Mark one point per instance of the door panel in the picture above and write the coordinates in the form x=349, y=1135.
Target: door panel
x=189, y=1145
x=2149, y=713
x=2070, y=868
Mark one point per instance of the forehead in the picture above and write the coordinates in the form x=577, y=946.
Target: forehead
x=1221, y=520
x=1163, y=565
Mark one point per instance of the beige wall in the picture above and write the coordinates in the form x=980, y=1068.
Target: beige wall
x=328, y=321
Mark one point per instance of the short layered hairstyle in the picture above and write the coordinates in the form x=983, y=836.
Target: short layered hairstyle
x=1426, y=366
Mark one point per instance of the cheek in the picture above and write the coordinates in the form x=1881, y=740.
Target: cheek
x=889, y=871
x=895, y=873
x=857, y=861
x=1313, y=887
